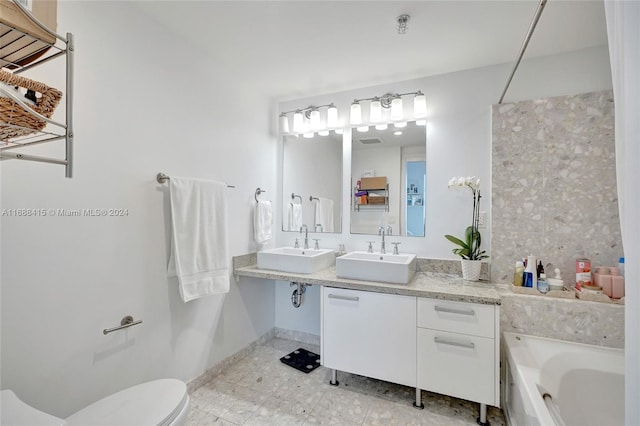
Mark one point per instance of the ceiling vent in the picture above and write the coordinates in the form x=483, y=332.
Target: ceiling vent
x=370, y=141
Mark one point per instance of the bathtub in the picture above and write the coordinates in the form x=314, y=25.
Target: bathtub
x=554, y=382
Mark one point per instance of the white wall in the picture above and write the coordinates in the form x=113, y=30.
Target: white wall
x=145, y=102
x=459, y=135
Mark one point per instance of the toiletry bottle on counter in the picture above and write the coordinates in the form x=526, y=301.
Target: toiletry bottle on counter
x=531, y=273
x=621, y=266
x=518, y=274
x=543, y=286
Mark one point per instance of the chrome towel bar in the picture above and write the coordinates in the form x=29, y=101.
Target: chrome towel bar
x=124, y=323
x=162, y=178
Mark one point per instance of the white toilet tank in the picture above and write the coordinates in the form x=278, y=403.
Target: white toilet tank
x=163, y=402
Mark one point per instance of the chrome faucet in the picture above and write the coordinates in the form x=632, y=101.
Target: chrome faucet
x=381, y=232
x=306, y=236
x=389, y=230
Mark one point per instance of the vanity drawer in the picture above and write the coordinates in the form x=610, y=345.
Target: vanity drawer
x=458, y=317
x=457, y=365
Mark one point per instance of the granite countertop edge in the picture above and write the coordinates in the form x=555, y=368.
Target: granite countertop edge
x=431, y=285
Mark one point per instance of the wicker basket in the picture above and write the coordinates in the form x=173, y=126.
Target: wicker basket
x=13, y=114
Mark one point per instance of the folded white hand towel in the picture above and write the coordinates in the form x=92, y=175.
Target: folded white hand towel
x=262, y=218
x=295, y=217
x=199, y=253
x=324, y=214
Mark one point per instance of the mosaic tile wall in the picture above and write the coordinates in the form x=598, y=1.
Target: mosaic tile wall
x=554, y=184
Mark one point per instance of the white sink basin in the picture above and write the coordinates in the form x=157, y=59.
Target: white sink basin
x=387, y=268
x=297, y=260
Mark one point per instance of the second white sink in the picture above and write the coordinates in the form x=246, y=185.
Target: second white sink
x=296, y=260
x=388, y=268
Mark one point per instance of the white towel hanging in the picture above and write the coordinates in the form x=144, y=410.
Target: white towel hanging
x=262, y=220
x=199, y=246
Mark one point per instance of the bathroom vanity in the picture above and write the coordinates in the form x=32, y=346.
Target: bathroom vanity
x=438, y=333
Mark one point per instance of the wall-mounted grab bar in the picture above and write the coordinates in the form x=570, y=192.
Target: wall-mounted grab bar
x=258, y=192
x=311, y=198
x=294, y=196
x=162, y=178
x=124, y=323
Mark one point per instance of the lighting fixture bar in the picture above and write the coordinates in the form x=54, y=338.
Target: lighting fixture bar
x=307, y=120
x=392, y=101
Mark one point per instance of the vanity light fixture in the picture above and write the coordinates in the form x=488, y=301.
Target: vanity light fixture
x=400, y=124
x=382, y=126
x=284, y=123
x=421, y=122
x=390, y=101
x=397, y=132
x=323, y=132
x=362, y=129
x=314, y=119
x=309, y=119
x=375, y=110
x=356, y=113
x=308, y=135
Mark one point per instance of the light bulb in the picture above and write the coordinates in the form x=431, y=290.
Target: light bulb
x=332, y=116
x=375, y=111
x=421, y=122
x=323, y=133
x=381, y=126
x=356, y=113
x=396, y=109
x=397, y=132
x=400, y=124
x=284, y=123
x=314, y=119
x=362, y=129
x=297, y=122
x=339, y=131
x=307, y=135
x=419, y=106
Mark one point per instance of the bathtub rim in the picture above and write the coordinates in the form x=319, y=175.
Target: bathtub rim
x=529, y=376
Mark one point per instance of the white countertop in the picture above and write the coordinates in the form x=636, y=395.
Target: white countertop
x=424, y=284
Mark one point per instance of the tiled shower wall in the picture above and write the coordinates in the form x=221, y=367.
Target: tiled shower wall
x=554, y=184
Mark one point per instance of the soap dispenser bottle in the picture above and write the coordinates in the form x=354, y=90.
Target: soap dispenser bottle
x=531, y=273
x=518, y=274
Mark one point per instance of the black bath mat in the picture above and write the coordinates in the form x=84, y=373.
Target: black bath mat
x=302, y=359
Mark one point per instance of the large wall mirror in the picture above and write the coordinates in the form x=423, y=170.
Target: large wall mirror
x=312, y=183
x=388, y=180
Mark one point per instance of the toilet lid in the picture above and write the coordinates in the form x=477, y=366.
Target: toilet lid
x=153, y=403
x=14, y=412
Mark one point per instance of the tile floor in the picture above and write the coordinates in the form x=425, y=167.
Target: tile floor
x=261, y=390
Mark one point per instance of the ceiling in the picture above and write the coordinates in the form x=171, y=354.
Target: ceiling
x=293, y=49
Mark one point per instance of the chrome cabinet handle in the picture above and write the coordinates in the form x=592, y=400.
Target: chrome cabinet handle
x=454, y=311
x=469, y=345
x=340, y=297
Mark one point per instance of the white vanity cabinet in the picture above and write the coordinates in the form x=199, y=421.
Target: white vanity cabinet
x=458, y=349
x=370, y=334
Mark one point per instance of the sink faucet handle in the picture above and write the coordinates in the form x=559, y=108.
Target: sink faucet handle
x=316, y=246
x=296, y=244
x=389, y=230
x=370, y=249
x=395, y=247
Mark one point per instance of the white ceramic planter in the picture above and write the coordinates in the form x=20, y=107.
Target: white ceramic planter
x=471, y=269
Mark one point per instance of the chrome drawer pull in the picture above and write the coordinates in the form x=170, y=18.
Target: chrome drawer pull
x=455, y=311
x=339, y=297
x=469, y=345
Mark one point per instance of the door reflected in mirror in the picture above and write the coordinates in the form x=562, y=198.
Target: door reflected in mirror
x=312, y=183
x=388, y=180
